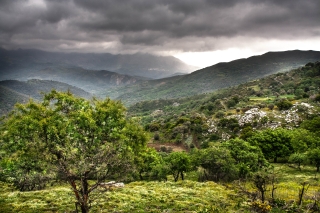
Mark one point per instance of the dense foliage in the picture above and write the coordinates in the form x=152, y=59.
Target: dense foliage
x=232, y=137
x=70, y=139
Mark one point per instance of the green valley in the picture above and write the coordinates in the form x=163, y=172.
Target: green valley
x=252, y=147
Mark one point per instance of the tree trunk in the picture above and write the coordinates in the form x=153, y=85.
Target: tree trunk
x=275, y=160
x=85, y=196
x=301, y=192
x=140, y=174
x=262, y=196
x=176, y=176
x=82, y=195
x=84, y=209
x=182, y=177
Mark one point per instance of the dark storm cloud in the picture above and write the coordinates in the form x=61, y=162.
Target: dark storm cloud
x=152, y=24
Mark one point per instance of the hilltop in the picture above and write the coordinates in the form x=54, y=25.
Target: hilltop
x=77, y=70
x=21, y=62
x=279, y=100
x=216, y=77
x=13, y=91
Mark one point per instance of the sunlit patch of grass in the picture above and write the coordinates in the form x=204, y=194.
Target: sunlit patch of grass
x=182, y=196
x=291, y=174
x=55, y=199
x=255, y=87
x=269, y=98
x=289, y=181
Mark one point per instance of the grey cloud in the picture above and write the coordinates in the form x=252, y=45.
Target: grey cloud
x=200, y=18
x=158, y=25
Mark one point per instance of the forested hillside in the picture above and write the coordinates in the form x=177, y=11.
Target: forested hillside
x=8, y=98
x=279, y=100
x=253, y=147
x=13, y=91
x=216, y=77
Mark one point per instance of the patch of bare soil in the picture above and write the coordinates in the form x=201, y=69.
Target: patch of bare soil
x=168, y=146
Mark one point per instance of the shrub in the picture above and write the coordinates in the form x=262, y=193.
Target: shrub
x=284, y=104
x=220, y=114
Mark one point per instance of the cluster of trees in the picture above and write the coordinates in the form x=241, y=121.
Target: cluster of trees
x=231, y=160
x=175, y=122
x=70, y=139
x=293, y=85
x=78, y=141
x=75, y=140
x=241, y=157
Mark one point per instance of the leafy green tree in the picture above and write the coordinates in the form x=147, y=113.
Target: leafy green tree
x=297, y=158
x=303, y=139
x=284, y=104
x=145, y=162
x=178, y=162
x=246, y=132
x=217, y=163
x=317, y=98
x=220, y=114
x=314, y=157
x=160, y=170
x=312, y=125
x=248, y=158
x=271, y=106
x=75, y=139
x=260, y=181
x=273, y=143
x=198, y=125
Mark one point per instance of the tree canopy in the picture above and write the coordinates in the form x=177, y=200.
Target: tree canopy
x=248, y=158
x=273, y=143
x=71, y=139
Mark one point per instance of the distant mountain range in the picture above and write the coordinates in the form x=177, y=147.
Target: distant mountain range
x=29, y=64
x=17, y=63
x=221, y=75
x=92, y=81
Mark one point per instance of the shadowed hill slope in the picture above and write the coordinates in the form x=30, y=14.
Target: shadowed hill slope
x=13, y=63
x=218, y=76
x=12, y=91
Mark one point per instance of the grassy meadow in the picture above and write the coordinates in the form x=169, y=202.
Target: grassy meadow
x=152, y=196
x=182, y=196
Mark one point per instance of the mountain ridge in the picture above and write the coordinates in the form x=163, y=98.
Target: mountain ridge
x=218, y=76
x=138, y=64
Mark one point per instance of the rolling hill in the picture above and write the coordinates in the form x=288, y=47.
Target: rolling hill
x=90, y=80
x=131, y=89
x=221, y=75
x=13, y=91
x=15, y=64
x=8, y=98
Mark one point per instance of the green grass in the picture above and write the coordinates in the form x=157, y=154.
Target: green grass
x=291, y=174
x=56, y=199
x=269, y=98
x=289, y=181
x=255, y=88
x=254, y=98
x=183, y=196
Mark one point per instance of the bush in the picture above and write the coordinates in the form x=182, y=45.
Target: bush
x=156, y=137
x=259, y=206
x=220, y=114
x=271, y=106
x=284, y=104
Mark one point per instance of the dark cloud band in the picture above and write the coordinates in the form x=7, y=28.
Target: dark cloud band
x=152, y=24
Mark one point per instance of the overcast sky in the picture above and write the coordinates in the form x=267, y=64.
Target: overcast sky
x=199, y=32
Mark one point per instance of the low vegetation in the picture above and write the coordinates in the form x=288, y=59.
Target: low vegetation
x=241, y=153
